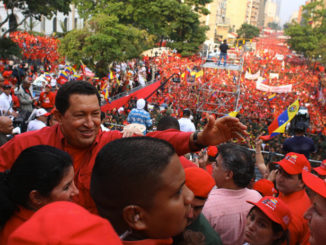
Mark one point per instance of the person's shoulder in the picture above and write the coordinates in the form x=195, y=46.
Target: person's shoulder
x=252, y=193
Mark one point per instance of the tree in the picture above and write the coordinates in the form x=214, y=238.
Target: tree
x=172, y=20
x=102, y=41
x=248, y=31
x=9, y=49
x=32, y=8
x=274, y=26
x=308, y=37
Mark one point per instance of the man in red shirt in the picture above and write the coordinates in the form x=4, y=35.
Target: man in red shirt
x=78, y=132
x=291, y=190
x=47, y=98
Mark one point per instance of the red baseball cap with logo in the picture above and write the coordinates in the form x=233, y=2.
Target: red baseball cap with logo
x=64, y=223
x=315, y=183
x=265, y=187
x=294, y=163
x=321, y=170
x=275, y=209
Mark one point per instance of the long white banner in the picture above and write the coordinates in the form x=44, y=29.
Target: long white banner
x=252, y=76
x=274, y=89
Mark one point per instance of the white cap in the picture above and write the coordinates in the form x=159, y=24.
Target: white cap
x=140, y=104
x=41, y=112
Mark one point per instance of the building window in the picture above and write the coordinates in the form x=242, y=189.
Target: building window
x=54, y=24
x=65, y=23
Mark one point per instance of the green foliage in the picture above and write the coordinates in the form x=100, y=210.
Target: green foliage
x=172, y=20
x=274, y=26
x=8, y=49
x=248, y=31
x=103, y=41
x=308, y=37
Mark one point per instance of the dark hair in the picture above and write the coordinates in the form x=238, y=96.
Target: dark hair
x=168, y=122
x=238, y=160
x=70, y=88
x=186, y=112
x=277, y=228
x=127, y=171
x=40, y=168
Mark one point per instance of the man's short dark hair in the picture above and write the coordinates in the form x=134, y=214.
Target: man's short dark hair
x=168, y=122
x=70, y=88
x=238, y=160
x=127, y=172
x=186, y=113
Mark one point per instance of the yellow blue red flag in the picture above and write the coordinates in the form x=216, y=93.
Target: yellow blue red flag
x=279, y=123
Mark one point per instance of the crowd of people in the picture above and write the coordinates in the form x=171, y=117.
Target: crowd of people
x=173, y=174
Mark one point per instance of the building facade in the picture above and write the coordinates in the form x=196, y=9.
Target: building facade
x=58, y=22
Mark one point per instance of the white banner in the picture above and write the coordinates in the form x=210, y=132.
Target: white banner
x=273, y=75
x=252, y=76
x=274, y=89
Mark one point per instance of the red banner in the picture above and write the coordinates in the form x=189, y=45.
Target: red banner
x=141, y=93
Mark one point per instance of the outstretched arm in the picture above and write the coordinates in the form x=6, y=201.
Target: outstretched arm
x=218, y=131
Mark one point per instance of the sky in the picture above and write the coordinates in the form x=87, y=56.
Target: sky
x=288, y=7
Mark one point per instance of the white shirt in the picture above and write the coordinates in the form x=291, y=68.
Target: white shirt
x=5, y=103
x=35, y=125
x=186, y=125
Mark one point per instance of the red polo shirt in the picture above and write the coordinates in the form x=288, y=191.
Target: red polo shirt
x=83, y=159
x=298, y=202
x=16, y=220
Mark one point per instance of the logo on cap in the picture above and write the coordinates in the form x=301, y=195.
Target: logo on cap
x=286, y=219
x=271, y=203
x=292, y=158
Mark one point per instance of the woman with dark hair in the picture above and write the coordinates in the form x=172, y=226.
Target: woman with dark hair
x=267, y=222
x=40, y=175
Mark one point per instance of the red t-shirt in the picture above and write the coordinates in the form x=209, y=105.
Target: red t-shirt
x=298, y=202
x=47, y=100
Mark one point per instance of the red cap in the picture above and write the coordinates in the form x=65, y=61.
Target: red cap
x=199, y=181
x=6, y=84
x=64, y=223
x=212, y=151
x=265, y=187
x=48, y=86
x=314, y=183
x=275, y=209
x=7, y=74
x=294, y=163
x=321, y=170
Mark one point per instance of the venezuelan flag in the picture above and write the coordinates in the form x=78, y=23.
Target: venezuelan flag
x=64, y=75
x=110, y=75
x=199, y=74
x=279, y=123
x=233, y=114
x=272, y=96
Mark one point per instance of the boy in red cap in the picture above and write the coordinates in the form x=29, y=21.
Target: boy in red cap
x=47, y=98
x=291, y=190
x=201, y=183
x=321, y=170
x=316, y=214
